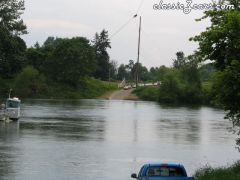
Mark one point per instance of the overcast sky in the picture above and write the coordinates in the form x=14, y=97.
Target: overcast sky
x=163, y=32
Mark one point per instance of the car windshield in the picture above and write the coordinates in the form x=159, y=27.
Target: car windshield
x=12, y=104
x=159, y=171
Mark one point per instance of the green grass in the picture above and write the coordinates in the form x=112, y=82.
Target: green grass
x=94, y=88
x=147, y=93
x=88, y=88
x=224, y=173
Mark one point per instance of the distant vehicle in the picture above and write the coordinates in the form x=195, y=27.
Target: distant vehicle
x=162, y=171
x=126, y=87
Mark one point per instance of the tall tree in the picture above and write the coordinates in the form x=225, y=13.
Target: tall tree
x=131, y=69
x=122, y=72
x=10, y=16
x=113, y=69
x=70, y=60
x=180, y=61
x=101, y=43
x=221, y=44
x=12, y=47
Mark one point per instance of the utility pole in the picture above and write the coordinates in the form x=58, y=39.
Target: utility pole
x=139, y=40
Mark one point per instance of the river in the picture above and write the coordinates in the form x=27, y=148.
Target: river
x=109, y=140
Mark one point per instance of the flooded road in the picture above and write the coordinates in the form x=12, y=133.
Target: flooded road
x=109, y=140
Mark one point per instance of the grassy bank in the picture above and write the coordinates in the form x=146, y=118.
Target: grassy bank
x=88, y=88
x=224, y=173
x=147, y=93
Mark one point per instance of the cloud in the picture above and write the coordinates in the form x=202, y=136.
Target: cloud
x=50, y=24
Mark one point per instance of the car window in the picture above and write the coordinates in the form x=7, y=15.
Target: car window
x=158, y=171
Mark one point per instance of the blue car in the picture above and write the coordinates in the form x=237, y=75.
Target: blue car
x=162, y=171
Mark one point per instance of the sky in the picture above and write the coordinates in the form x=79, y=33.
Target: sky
x=164, y=32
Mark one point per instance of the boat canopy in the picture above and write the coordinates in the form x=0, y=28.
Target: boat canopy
x=13, y=103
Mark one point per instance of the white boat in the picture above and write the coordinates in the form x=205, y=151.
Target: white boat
x=11, y=109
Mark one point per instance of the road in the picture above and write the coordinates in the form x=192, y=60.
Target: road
x=121, y=94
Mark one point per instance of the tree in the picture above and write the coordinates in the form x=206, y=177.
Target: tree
x=161, y=72
x=182, y=83
x=122, y=73
x=10, y=16
x=101, y=43
x=180, y=61
x=170, y=89
x=221, y=44
x=70, y=60
x=12, y=54
x=36, y=57
x=142, y=72
x=191, y=82
x=131, y=70
x=50, y=41
x=12, y=47
x=113, y=69
x=29, y=82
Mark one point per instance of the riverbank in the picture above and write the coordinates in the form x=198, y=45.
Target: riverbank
x=120, y=94
x=224, y=173
x=88, y=88
x=147, y=93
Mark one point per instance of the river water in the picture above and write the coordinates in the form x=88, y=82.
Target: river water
x=109, y=140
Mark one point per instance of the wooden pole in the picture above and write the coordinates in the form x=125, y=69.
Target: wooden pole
x=139, y=41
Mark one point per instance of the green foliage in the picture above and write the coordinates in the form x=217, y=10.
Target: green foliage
x=93, y=88
x=209, y=173
x=101, y=43
x=12, y=47
x=143, y=74
x=10, y=16
x=170, y=88
x=180, y=61
x=129, y=72
x=221, y=44
x=4, y=88
x=228, y=93
x=122, y=72
x=206, y=72
x=147, y=93
x=36, y=57
x=12, y=54
x=69, y=60
x=182, y=84
x=29, y=83
x=113, y=70
x=158, y=74
x=221, y=41
x=208, y=94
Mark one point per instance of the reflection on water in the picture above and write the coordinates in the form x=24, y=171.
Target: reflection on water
x=96, y=139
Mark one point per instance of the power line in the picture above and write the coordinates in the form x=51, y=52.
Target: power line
x=122, y=27
x=140, y=5
x=125, y=24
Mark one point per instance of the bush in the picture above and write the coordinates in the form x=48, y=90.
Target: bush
x=91, y=88
x=209, y=173
x=147, y=93
x=29, y=82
